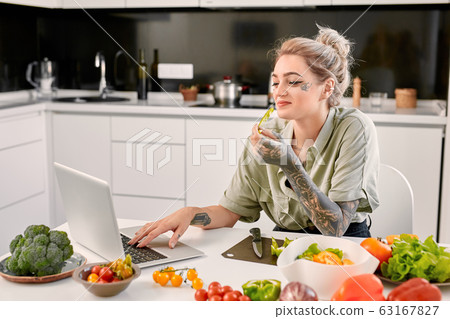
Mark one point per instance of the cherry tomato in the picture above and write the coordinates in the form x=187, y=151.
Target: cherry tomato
x=215, y=298
x=237, y=292
x=197, y=283
x=163, y=278
x=156, y=276
x=378, y=249
x=106, y=274
x=102, y=281
x=328, y=258
x=244, y=298
x=115, y=279
x=214, y=283
x=169, y=272
x=201, y=295
x=226, y=289
x=214, y=291
x=176, y=280
x=230, y=296
x=95, y=269
x=92, y=277
x=191, y=274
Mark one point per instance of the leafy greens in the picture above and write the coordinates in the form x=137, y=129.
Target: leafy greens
x=413, y=258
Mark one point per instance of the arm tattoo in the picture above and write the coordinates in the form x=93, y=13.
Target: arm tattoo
x=202, y=219
x=329, y=217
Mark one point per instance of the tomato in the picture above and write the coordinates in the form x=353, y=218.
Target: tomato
x=237, y=292
x=201, y=295
x=170, y=272
x=95, y=269
x=115, y=279
x=214, y=291
x=197, y=283
x=156, y=276
x=230, y=296
x=92, y=277
x=106, y=274
x=176, y=280
x=215, y=298
x=225, y=289
x=328, y=258
x=191, y=274
x=214, y=283
x=163, y=278
x=244, y=298
x=347, y=262
x=102, y=281
x=378, y=249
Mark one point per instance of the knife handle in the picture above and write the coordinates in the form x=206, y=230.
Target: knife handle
x=256, y=232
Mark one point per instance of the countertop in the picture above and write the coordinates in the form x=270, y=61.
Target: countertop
x=211, y=267
x=428, y=112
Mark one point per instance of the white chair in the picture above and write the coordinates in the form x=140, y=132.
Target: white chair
x=396, y=210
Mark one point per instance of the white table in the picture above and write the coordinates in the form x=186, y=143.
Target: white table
x=211, y=267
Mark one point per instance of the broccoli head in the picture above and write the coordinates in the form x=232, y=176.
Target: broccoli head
x=39, y=252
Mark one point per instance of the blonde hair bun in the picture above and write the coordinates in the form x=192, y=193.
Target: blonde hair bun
x=332, y=38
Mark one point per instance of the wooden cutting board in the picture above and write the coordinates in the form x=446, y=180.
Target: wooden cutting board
x=243, y=250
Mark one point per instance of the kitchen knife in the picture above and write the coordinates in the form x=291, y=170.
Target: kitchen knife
x=257, y=242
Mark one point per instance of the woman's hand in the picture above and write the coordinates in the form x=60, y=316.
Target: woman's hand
x=270, y=147
x=177, y=222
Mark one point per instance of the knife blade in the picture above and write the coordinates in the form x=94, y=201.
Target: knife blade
x=257, y=242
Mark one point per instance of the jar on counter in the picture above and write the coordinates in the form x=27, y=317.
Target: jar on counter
x=406, y=98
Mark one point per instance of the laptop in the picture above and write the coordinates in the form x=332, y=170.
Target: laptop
x=92, y=223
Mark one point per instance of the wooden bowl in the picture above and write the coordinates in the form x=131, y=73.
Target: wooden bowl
x=107, y=289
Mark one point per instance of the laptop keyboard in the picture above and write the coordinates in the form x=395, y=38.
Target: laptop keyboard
x=140, y=255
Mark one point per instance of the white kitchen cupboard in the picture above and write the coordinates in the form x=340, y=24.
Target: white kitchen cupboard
x=416, y=152
x=36, y=3
x=82, y=142
x=23, y=171
x=162, y=3
x=250, y=3
x=87, y=4
x=148, y=166
x=386, y=2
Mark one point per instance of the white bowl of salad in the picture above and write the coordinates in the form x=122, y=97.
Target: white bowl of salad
x=324, y=262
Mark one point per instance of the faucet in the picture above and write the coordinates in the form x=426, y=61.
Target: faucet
x=100, y=63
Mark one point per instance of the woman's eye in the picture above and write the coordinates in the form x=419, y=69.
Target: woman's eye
x=295, y=82
x=274, y=84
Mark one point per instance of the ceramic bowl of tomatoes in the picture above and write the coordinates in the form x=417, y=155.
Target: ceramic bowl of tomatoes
x=330, y=260
x=100, y=279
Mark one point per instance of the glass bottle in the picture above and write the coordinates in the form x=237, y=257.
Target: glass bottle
x=156, y=82
x=142, y=77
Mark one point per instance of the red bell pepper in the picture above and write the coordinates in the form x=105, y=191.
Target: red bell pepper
x=365, y=287
x=415, y=289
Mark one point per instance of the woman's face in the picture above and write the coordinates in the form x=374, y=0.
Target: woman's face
x=296, y=90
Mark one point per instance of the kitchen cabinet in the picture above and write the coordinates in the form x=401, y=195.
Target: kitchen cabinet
x=161, y=3
x=416, y=152
x=36, y=3
x=148, y=165
x=384, y=2
x=23, y=171
x=250, y=3
x=82, y=142
x=86, y=4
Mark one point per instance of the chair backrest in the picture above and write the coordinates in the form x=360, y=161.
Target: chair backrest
x=395, y=213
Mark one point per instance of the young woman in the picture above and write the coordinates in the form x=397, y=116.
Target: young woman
x=313, y=169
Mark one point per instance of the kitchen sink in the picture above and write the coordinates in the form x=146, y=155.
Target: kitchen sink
x=91, y=99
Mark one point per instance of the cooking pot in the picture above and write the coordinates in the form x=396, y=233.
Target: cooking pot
x=227, y=93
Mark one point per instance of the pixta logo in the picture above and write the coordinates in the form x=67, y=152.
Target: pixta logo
x=142, y=147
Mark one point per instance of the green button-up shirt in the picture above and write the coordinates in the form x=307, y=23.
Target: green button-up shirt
x=343, y=162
